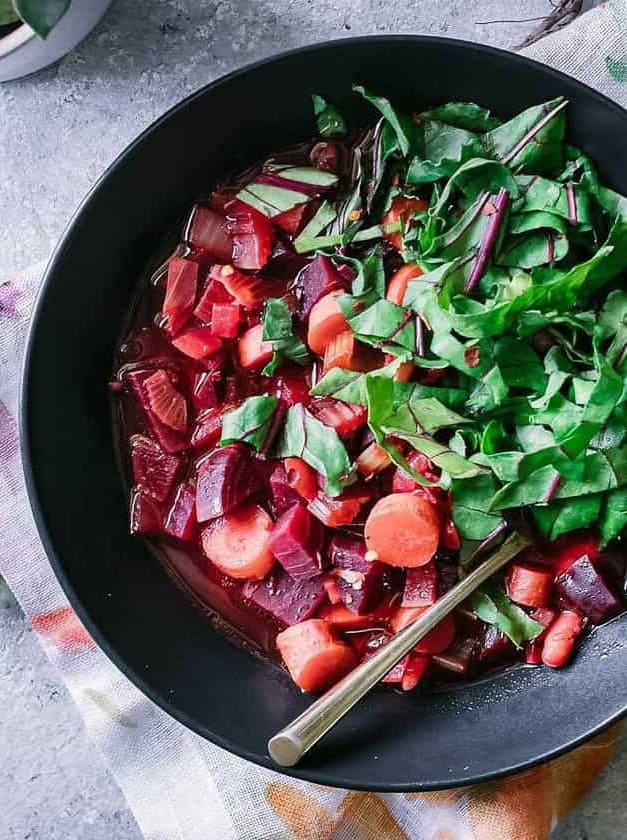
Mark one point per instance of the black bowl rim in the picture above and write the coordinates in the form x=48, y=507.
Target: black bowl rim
x=56, y=260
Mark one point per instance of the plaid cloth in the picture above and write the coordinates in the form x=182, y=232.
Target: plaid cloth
x=181, y=787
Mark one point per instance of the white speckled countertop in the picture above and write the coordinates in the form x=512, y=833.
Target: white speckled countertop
x=59, y=129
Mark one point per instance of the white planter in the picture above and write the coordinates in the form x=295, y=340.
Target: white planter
x=23, y=52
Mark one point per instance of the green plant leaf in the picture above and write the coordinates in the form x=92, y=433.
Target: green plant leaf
x=41, y=15
x=471, y=507
x=614, y=516
x=560, y=517
x=329, y=121
x=464, y=115
x=306, y=437
x=277, y=328
x=542, y=154
x=249, y=422
x=492, y=605
x=386, y=326
x=7, y=12
x=400, y=124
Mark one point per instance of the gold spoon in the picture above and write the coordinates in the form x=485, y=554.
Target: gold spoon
x=289, y=745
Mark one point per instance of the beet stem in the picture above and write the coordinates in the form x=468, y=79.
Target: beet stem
x=488, y=240
x=552, y=488
x=494, y=534
x=550, y=249
x=509, y=157
x=572, y=204
x=273, y=428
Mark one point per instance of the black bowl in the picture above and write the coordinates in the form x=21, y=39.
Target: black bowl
x=149, y=628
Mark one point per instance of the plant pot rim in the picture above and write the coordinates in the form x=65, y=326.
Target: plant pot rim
x=16, y=39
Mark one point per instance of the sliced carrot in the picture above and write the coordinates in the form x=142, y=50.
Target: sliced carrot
x=253, y=353
x=405, y=372
x=399, y=282
x=325, y=322
x=302, y=478
x=237, y=543
x=313, y=655
x=436, y=641
x=403, y=529
x=374, y=459
x=402, y=208
x=334, y=512
x=247, y=289
x=529, y=585
x=415, y=670
x=559, y=640
x=344, y=351
x=340, y=617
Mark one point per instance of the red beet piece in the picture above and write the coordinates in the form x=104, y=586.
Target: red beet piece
x=316, y=279
x=570, y=547
x=341, y=416
x=153, y=469
x=296, y=542
x=360, y=581
x=225, y=479
x=291, y=386
x=416, y=668
x=585, y=589
x=283, y=494
x=208, y=429
x=225, y=319
x=288, y=600
x=145, y=514
x=496, y=648
x=460, y=657
x=214, y=292
x=209, y=235
x=421, y=586
x=181, y=283
x=291, y=220
x=251, y=232
x=208, y=386
x=181, y=519
x=172, y=440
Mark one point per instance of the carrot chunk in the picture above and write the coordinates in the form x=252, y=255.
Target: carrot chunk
x=344, y=351
x=340, y=617
x=326, y=321
x=302, y=478
x=403, y=208
x=237, y=543
x=403, y=529
x=529, y=585
x=559, y=641
x=399, y=282
x=313, y=655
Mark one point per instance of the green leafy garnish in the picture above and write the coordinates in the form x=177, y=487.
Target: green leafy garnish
x=249, y=422
x=328, y=119
x=277, y=329
x=306, y=437
x=493, y=606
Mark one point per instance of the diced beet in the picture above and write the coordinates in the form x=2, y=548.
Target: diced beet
x=181, y=286
x=333, y=593
x=145, y=514
x=181, y=519
x=359, y=580
x=225, y=319
x=208, y=233
x=198, y=343
x=326, y=155
x=448, y=574
x=208, y=387
x=460, y=657
x=225, y=479
x=291, y=386
x=449, y=536
x=611, y=564
x=214, y=292
x=570, y=547
x=533, y=651
x=296, y=542
x=397, y=672
x=172, y=440
x=288, y=600
x=153, y=469
x=284, y=495
x=318, y=278
x=251, y=233
x=341, y=416
x=421, y=586
x=496, y=648
x=208, y=429
x=583, y=588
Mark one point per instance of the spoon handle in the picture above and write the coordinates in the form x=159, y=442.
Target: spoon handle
x=289, y=745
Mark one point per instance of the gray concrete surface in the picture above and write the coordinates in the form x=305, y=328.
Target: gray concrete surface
x=58, y=131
